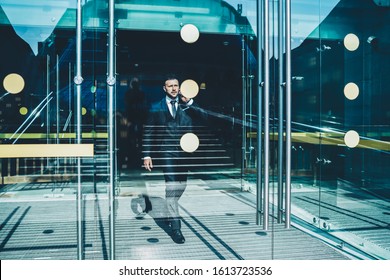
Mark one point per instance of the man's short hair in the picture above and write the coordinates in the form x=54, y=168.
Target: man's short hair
x=171, y=76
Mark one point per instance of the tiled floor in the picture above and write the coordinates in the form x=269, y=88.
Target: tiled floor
x=40, y=222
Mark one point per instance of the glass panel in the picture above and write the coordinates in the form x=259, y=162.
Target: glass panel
x=338, y=84
x=218, y=204
x=306, y=65
x=38, y=106
x=39, y=92
x=340, y=130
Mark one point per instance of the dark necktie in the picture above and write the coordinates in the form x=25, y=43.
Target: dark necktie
x=173, y=103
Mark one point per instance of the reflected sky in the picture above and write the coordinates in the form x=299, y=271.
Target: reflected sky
x=306, y=15
x=34, y=21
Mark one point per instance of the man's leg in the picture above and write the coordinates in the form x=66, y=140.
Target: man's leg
x=173, y=192
x=175, y=175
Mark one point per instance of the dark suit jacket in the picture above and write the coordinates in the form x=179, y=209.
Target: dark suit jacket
x=162, y=134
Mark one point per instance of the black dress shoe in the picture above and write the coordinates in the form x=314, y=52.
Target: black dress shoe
x=177, y=236
x=148, y=204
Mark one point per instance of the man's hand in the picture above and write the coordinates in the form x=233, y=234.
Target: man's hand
x=184, y=99
x=148, y=164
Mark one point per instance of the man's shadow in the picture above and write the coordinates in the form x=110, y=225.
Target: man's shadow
x=155, y=207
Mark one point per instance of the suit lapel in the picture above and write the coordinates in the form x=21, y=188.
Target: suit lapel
x=165, y=109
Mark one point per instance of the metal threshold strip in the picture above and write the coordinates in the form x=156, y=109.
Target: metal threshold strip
x=331, y=240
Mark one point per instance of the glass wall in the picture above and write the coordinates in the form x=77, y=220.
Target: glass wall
x=54, y=132
x=74, y=138
x=341, y=147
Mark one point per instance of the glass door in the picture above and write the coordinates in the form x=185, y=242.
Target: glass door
x=53, y=114
x=212, y=47
x=337, y=81
x=286, y=135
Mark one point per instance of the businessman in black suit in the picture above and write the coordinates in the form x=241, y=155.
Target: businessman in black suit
x=170, y=118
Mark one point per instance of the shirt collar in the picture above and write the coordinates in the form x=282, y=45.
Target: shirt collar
x=168, y=99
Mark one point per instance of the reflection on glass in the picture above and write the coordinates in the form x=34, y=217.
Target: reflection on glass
x=351, y=42
x=189, y=88
x=189, y=142
x=189, y=33
x=351, y=91
x=34, y=21
x=351, y=139
x=13, y=83
x=83, y=111
x=23, y=111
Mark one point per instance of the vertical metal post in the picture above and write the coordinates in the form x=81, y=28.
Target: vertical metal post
x=259, y=153
x=1, y=172
x=47, y=95
x=47, y=105
x=266, y=115
x=250, y=119
x=243, y=161
x=57, y=101
x=111, y=80
x=78, y=80
x=70, y=95
x=280, y=113
x=57, y=110
x=288, y=114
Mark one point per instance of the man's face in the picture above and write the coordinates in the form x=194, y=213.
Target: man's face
x=171, y=87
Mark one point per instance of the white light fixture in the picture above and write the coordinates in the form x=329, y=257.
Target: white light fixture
x=23, y=111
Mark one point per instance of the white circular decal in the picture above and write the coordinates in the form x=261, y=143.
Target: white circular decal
x=189, y=142
x=189, y=88
x=351, y=42
x=189, y=33
x=351, y=139
x=13, y=83
x=351, y=91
